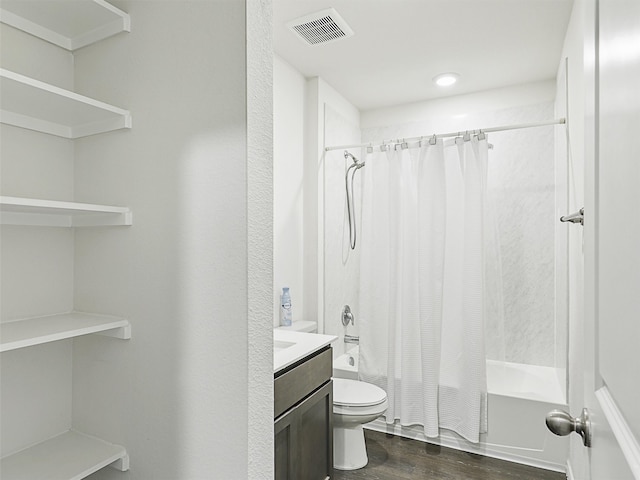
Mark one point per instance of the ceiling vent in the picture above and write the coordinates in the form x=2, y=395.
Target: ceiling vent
x=321, y=27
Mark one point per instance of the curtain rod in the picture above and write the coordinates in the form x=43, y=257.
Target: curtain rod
x=558, y=121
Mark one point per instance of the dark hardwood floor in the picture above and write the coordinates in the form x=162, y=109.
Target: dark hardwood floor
x=397, y=458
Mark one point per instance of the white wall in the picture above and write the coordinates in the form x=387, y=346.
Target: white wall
x=300, y=109
x=458, y=111
x=259, y=45
x=37, y=263
x=288, y=191
x=177, y=394
x=190, y=395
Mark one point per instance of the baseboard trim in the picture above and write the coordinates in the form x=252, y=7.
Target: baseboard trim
x=445, y=440
x=621, y=430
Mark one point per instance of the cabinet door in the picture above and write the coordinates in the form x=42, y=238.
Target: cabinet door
x=315, y=435
x=304, y=438
x=286, y=441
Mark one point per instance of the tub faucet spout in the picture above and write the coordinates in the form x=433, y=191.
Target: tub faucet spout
x=352, y=339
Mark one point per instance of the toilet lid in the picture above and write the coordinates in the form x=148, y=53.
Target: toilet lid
x=356, y=393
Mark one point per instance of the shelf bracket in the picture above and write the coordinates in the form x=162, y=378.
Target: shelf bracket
x=123, y=333
x=121, y=464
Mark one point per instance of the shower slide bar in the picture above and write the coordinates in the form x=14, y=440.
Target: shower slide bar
x=558, y=121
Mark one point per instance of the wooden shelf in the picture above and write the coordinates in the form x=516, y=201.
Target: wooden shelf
x=53, y=213
x=38, y=330
x=70, y=25
x=35, y=105
x=69, y=456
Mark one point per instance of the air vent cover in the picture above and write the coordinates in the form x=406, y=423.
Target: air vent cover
x=321, y=27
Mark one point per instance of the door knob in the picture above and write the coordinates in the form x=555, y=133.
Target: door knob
x=561, y=423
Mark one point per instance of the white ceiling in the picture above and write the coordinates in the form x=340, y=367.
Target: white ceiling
x=400, y=45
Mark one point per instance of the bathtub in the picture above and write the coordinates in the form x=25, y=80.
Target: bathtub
x=519, y=397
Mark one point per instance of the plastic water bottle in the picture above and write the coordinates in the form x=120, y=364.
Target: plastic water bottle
x=285, y=308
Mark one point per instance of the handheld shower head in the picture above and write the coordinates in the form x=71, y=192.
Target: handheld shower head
x=355, y=166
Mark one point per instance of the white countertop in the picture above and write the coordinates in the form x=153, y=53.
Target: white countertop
x=290, y=347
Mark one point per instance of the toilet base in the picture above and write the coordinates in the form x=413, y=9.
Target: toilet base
x=349, y=448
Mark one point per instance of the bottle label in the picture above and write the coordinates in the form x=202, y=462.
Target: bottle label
x=285, y=313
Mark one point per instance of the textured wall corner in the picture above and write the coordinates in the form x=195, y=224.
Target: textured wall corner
x=260, y=236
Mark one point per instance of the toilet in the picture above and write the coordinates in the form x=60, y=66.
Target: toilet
x=354, y=404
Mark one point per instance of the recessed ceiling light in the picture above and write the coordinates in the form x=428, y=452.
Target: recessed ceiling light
x=446, y=79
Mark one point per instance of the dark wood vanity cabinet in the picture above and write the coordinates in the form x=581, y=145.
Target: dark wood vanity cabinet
x=303, y=409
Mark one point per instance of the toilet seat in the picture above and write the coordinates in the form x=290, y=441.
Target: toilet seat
x=353, y=393
x=375, y=410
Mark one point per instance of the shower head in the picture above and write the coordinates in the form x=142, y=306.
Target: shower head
x=350, y=155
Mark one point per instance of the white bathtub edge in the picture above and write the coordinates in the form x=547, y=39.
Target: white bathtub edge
x=487, y=450
x=552, y=395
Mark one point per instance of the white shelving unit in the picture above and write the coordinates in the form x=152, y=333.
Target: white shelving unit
x=68, y=456
x=70, y=25
x=36, y=105
x=53, y=213
x=37, y=330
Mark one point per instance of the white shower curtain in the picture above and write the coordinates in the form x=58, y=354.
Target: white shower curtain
x=422, y=286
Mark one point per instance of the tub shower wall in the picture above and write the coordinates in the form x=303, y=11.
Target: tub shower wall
x=515, y=391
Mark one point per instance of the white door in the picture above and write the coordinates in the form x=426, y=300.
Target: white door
x=612, y=249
